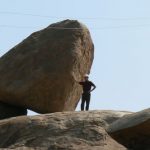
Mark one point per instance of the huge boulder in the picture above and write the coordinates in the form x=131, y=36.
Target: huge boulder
x=41, y=72
x=58, y=131
x=132, y=130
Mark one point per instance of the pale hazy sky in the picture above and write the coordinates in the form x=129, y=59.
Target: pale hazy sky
x=120, y=30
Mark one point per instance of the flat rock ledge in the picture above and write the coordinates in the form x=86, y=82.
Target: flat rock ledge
x=60, y=131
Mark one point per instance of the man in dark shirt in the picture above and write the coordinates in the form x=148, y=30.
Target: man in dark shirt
x=88, y=87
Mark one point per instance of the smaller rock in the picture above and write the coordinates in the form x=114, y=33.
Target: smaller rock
x=7, y=111
x=132, y=130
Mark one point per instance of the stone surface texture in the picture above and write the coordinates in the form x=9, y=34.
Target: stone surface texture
x=60, y=131
x=41, y=72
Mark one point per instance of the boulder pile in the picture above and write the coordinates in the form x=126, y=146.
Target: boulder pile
x=89, y=130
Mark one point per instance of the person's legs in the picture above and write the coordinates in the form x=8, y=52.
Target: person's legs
x=83, y=102
x=88, y=101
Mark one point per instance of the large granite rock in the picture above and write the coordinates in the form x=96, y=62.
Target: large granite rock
x=40, y=72
x=59, y=131
x=132, y=130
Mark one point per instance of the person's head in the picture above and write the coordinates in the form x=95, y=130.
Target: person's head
x=86, y=77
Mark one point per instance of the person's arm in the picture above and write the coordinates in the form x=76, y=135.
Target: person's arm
x=79, y=82
x=93, y=87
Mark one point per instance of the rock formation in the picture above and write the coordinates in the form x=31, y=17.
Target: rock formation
x=132, y=130
x=89, y=130
x=40, y=72
x=60, y=131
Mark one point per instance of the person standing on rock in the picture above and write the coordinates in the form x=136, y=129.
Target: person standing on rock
x=88, y=87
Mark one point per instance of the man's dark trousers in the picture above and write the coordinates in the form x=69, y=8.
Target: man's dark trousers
x=85, y=99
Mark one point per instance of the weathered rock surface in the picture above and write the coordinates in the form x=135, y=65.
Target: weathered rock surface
x=132, y=130
x=40, y=72
x=60, y=131
x=109, y=116
x=7, y=111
